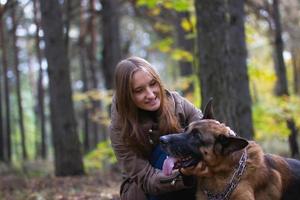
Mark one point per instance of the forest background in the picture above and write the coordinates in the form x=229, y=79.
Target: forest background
x=57, y=60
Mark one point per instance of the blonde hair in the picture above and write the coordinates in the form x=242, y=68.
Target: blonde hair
x=129, y=112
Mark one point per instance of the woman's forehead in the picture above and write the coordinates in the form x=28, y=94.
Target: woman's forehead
x=141, y=77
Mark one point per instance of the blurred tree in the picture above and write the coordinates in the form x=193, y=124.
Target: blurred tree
x=68, y=156
x=111, y=51
x=222, y=58
x=168, y=25
x=291, y=26
x=84, y=78
x=42, y=147
x=1, y=113
x=269, y=11
x=91, y=54
x=280, y=69
x=18, y=83
x=7, y=134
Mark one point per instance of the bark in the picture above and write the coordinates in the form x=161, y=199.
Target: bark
x=111, y=39
x=84, y=78
x=293, y=143
x=280, y=69
x=40, y=87
x=2, y=156
x=67, y=153
x=296, y=69
x=222, y=58
x=7, y=133
x=187, y=44
x=18, y=85
x=93, y=72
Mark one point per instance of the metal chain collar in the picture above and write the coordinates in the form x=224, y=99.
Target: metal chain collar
x=233, y=182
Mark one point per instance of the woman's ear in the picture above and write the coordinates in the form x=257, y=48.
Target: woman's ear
x=226, y=145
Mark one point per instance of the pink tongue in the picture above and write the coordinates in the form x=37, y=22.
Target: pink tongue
x=168, y=165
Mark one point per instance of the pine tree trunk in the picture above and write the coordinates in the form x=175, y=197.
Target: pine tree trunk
x=111, y=40
x=296, y=69
x=68, y=156
x=18, y=86
x=2, y=156
x=84, y=78
x=187, y=44
x=40, y=87
x=222, y=59
x=7, y=133
x=280, y=69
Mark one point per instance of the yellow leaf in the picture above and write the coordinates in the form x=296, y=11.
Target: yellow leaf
x=186, y=25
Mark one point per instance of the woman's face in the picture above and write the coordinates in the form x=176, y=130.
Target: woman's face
x=146, y=91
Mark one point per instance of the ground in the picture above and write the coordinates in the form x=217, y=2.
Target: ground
x=93, y=186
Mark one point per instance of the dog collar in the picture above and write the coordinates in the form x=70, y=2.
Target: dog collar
x=233, y=182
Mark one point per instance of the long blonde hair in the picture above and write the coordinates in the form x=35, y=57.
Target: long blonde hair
x=129, y=112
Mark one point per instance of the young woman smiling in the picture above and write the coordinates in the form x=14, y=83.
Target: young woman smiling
x=142, y=111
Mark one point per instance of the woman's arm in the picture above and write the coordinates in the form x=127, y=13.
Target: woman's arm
x=185, y=110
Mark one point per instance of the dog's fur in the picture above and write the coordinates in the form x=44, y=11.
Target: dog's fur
x=217, y=152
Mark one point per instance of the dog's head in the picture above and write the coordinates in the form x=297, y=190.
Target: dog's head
x=204, y=140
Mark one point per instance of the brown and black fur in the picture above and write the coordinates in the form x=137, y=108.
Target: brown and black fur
x=217, y=152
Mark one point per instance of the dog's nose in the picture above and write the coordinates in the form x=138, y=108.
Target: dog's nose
x=163, y=140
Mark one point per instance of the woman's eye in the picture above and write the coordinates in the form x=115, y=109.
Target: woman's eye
x=138, y=90
x=152, y=83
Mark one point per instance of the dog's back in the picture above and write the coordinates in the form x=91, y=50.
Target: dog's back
x=293, y=190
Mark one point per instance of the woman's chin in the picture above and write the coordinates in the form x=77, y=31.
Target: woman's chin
x=154, y=107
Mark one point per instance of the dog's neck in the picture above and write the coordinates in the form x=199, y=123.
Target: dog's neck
x=228, y=184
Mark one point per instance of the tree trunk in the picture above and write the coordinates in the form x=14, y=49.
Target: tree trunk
x=68, y=156
x=84, y=78
x=281, y=83
x=2, y=156
x=18, y=84
x=187, y=44
x=40, y=87
x=296, y=69
x=111, y=39
x=7, y=133
x=91, y=52
x=293, y=143
x=222, y=58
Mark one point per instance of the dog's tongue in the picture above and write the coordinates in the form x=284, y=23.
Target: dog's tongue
x=168, y=165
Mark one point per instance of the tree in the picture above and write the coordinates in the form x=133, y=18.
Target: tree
x=269, y=11
x=222, y=59
x=280, y=69
x=18, y=84
x=7, y=134
x=67, y=152
x=111, y=39
x=40, y=87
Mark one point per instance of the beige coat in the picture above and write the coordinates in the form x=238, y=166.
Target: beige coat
x=140, y=177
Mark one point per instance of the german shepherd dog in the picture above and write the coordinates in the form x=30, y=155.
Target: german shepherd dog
x=230, y=167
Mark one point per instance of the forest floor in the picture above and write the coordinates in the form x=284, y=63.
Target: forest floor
x=93, y=186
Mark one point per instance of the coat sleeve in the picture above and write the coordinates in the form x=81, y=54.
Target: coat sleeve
x=185, y=110
x=192, y=113
x=150, y=180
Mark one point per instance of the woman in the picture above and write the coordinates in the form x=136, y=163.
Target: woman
x=142, y=111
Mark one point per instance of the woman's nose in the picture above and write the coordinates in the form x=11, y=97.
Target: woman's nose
x=150, y=93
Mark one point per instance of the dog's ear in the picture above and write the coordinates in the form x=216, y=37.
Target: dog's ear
x=228, y=144
x=208, y=110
